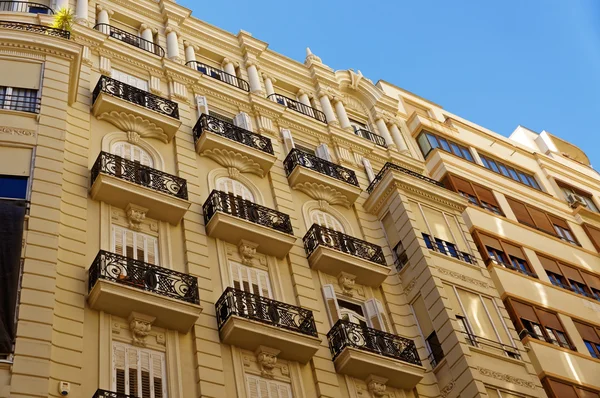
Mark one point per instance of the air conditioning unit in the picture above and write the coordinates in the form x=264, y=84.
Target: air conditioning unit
x=575, y=200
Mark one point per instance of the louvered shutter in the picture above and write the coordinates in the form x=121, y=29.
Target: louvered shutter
x=251, y=280
x=541, y=220
x=376, y=315
x=326, y=220
x=243, y=120
x=521, y=212
x=201, y=105
x=132, y=363
x=594, y=235
x=461, y=184
x=129, y=79
x=288, y=141
x=119, y=369
x=133, y=153
x=549, y=264
x=485, y=195
x=228, y=185
x=252, y=382
x=135, y=245
x=322, y=151
x=138, y=372
x=333, y=310
x=587, y=332
x=368, y=169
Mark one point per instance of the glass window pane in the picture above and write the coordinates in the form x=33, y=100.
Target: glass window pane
x=424, y=144
x=466, y=154
x=533, y=182
x=513, y=174
x=433, y=141
x=504, y=170
x=456, y=149
x=494, y=166
x=523, y=178
x=13, y=187
x=445, y=145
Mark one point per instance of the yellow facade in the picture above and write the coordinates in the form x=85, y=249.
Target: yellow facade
x=208, y=218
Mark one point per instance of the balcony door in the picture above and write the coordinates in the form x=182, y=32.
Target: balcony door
x=139, y=157
x=236, y=194
x=255, y=282
x=138, y=372
x=135, y=246
x=326, y=220
x=129, y=79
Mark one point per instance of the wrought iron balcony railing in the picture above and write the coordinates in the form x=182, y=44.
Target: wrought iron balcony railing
x=235, y=133
x=447, y=248
x=484, y=343
x=347, y=334
x=220, y=75
x=21, y=103
x=130, y=39
x=297, y=157
x=143, y=276
x=261, y=309
x=42, y=29
x=321, y=236
x=377, y=139
x=298, y=107
x=136, y=96
x=246, y=210
x=109, y=394
x=25, y=6
x=389, y=166
x=127, y=170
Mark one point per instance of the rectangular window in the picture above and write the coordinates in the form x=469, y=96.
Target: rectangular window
x=542, y=221
x=538, y=323
x=591, y=337
x=251, y=280
x=259, y=387
x=15, y=167
x=138, y=372
x=571, y=278
x=475, y=194
x=19, y=99
x=428, y=141
x=508, y=171
x=577, y=197
x=561, y=389
x=135, y=245
x=500, y=252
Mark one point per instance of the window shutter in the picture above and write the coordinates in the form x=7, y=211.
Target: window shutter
x=550, y=319
x=243, y=120
x=520, y=211
x=326, y=220
x=118, y=377
x=572, y=273
x=368, y=169
x=487, y=240
x=549, y=264
x=461, y=184
x=485, y=195
x=158, y=372
x=541, y=220
x=562, y=390
x=145, y=373
x=252, y=386
x=524, y=311
x=132, y=370
x=227, y=185
x=592, y=280
x=288, y=141
x=201, y=105
x=513, y=250
x=322, y=151
x=333, y=310
x=250, y=280
x=594, y=235
x=376, y=315
x=587, y=332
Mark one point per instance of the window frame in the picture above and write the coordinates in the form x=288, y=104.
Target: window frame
x=449, y=182
x=504, y=253
x=514, y=174
x=437, y=141
x=7, y=103
x=567, y=283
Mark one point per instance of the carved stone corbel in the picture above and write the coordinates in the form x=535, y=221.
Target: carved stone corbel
x=267, y=360
x=140, y=326
x=376, y=386
x=247, y=251
x=135, y=215
x=346, y=282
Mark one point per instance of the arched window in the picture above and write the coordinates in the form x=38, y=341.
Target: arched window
x=326, y=220
x=234, y=187
x=133, y=153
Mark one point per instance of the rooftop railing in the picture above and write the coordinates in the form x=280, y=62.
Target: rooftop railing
x=377, y=139
x=297, y=157
x=25, y=6
x=298, y=107
x=221, y=75
x=130, y=38
x=32, y=28
x=392, y=166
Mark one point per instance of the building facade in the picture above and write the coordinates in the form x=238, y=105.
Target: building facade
x=204, y=217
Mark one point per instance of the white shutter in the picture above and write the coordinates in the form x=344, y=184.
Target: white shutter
x=333, y=310
x=326, y=220
x=201, y=105
x=129, y=79
x=368, y=169
x=323, y=152
x=288, y=141
x=259, y=387
x=250, y=279
x=136, y=245
x=252, y=382
x=376, y=315
x=227, y=185
x=138, y=372
x=133, y=153
x=243, y=120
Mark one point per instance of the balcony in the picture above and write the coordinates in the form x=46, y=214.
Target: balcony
x=25, y=6
x=394, y=167
x=150, y=115
x=221, y=75
x=109, y=394
x=32, y=28
x=519, y=269
x=130, y=39
x=119, y=182
x=491, y=345
x=333, y=252
x=360, y=351
x=248, y=321
x=447, y=248
x=298, y=107
x=377, y=139
x=120, y=285
x=233, y=219
x=215, y=137
x=304, y=169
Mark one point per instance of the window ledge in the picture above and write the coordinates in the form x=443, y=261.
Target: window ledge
x=457, y=261
x=483, y=351
x=30, y=115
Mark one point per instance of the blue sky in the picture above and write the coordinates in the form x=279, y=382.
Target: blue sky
x=498, y=64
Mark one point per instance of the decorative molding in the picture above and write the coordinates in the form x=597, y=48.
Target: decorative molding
x=131, y=123
x=140, y=326
x=247, y=251
x=446, y=390
x=507, y=378
x=346, y=282
x=267, y=360
x=231, y=159
x=136, y=216
x=410, y=286
x=377, y=386
x=462, y=277
x=322, y=192
x=17, y=131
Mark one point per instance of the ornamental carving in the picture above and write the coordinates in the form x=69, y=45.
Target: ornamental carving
x=134, y=124
x=140, y=326
x=376, y=386
x=446, y=390
x=410, y=286
x=17, y=131
x=507, y=378
x=323, y=192
x=136, y=216
x=247, y=251
x=462, y=277
x=267, y=360
x=346, y=282
x=231, y=159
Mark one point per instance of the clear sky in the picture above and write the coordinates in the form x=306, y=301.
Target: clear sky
x=498, y=64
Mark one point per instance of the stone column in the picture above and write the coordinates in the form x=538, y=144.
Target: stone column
x=81, y=12
x=325, y=101
x=397, y=137
x=103, y=18
x=147, y=33
x=269, y=81
x=62, y=4
x=252, y=69
x=303, y=98
x=341, y=113
x=190, y=54
x=172, y=44
x=228, y=66
x=383, y=131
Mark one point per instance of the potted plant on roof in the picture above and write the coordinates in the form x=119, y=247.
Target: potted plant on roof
x=63, y=19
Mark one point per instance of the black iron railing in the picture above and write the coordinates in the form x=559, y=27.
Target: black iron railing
x=109, y=394
x=130, y=39
x=574, y=289
x=25, y=6
x=512, y=267
x=235, y=133
x=392, y=166
x=477, y=341
x=220, y=75
x=297, y=157
x=234, y=302
x=21, y=103
x=401, y=258
x=127, y=170
x=447, y=248
x=321, y=236
x=379, y=140
x=564, y=344
x=136, y=96
x=347, y=334
x=143, y=276
x=298, y=107
x=42, y=29
x=246, y=210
